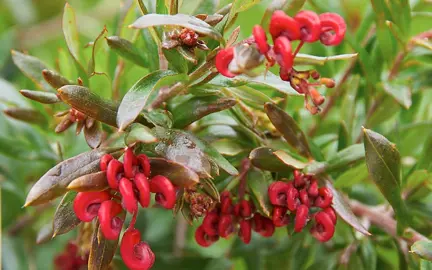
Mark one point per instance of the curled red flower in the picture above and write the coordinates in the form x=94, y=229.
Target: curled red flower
x=299, y=179
x=114, y=173
x=104, y=161
x=331, y=213
x=280, y=217
x=268, y=227
x=110, y=224
x=301, y=218
x=144, y=163
x=165, y=191
x=283, y=25
x=225, y=226
x=227, y=206
x=293, y=199
x=223, y=59
x=136, y=254
x=211, y=223
x=283, y=51
x=129, y=201
x=324, y=227
x=86, y=204
x=130, y=162
x=204, y=239
x=278, y=193
x=143, y=186
x=310, y=26
x=333, y=29
x=243, y=209
x=325, y=198
x=304, y=197
x=245, y=231
x=260, y=39
x=313, y=189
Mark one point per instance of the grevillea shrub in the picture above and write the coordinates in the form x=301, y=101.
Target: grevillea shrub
x=216, y=135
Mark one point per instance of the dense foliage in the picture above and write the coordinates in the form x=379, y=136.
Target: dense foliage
x=216, y=134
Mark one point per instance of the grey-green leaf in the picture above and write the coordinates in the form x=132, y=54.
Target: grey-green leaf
x=265, y=159
x=179, y=174
x=139, y=133
x=64, y=218
x=423, y=248
x=127, y=50
x=32, y=67
x=41, y=97
x=258, y=182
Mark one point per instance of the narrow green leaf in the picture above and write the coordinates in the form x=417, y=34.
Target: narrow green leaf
x=383, y=162
x=183, y=20
x=102, y=251
x=265, y=159
x=197, y=107
x=139, y=133
x=41, y=97
x=54, y=182
x=159, y=117
x=210, y=189
x=343, y=136
x=400, y=91
x=90, y=182
x=64, y=218
x=54, y=79
x=207, y=7
x=387, y=109
x=239, y=6
x=179, y=174
x=32, y=67
x=348, y=108
x=127, y=50
x=136, y=98
x=286, y=125
x=70, y=32
x=176, y=61
x=250, y=96
x=306, y=59
x=26, y=115
x=423, y=249
x=288, y=160
x=425, y=265
x=258, y=182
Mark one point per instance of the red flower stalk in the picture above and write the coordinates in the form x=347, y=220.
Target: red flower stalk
x=143, y=186
x=310, y=26
x=210, y=224
x=144, y=163
x=114, y=173
x=104, y=161
x=283, y=51
x=278, y=193
x=136, y=254
x=280, y=217
x=204, y=239
x=223, y=59
x=245, y=232
x=324, y=227
x=301, y=218
x=331, y=213
x=110, y=224
x=325, y=198
x=226, y=226
x=261, y=39
x=86, y=204
x=130, y=162
x=293, y=200
x=243, y=209
x=129, y=201
x=165, y=191
x=333, y=29
x=282, y=24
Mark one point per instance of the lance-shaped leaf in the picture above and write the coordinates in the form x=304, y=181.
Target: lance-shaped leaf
x=102, y=251
x=187, y=149
x=136, y=98
x=139, y=133
x=31, y=67
x=344, y=211
x=258, y=182
x=159, y=117
x=127, y=50
x=87, y=102
x=183, y=20
x=342, y=160
x=64, y=217
x=289, y=160
x=26, y=115
x=54, y=79
x=286, y=125
x=177, y=173
x=44, y=234
x=41, y=97
x=306, y=59
x=97, y=45
x=70, y=32
x=423, y=248
x=383, y=162
x=89, y=182
x=197, y=107
x=93, y=134
x=265, y=159
x=54, y=182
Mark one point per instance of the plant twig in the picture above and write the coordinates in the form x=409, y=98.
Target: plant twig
x=180, y=236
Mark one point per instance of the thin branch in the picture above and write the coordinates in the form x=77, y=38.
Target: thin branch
x=180, y=236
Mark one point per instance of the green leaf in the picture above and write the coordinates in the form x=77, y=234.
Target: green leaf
x=383, y=162
x=102, y=251
x=159, y=117
x=127, y=50
x=90, y=182
x=288, y=160
x=423, y=248
x=136, y=98
x=97, y=45
x=64, y=218
x=183, y=20
x=400, y=91
x=41, y=97
x=250, y=96
x=239, y=6
x=418, y=185
x=32, y=67
x=54, y=79
x=343, y=209
x=179, y=174
x=176, y=60
x=286, y=125
x=197, y=107
x=210, y=189
x=387, y=109
x=343, y=136
x=425, y=265
x=54, y=182
x=26, y=115
x=348, y=108
x=70, y=32
x=306, y=59
x=206, y=7
x=384, y=36
x=258, y=182
x=139, y=133
x=352, y=176
x=264, y=158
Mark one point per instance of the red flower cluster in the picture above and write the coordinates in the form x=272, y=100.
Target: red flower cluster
x=129, y=184
x=70, y=259
x=295, y=199
x=306, y=27
x=228, y=218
